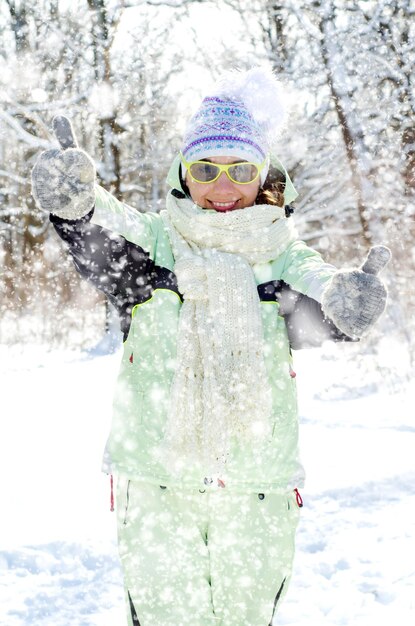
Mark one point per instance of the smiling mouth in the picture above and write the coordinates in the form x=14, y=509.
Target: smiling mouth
x=224, y=206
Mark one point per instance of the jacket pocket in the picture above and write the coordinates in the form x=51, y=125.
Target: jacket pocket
x=123, y=499
x=127, y=502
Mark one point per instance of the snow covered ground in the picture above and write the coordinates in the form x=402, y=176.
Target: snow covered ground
x=355, y=562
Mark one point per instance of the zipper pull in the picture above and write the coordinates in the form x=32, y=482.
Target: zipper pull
x=298, y=498
x=112, y=493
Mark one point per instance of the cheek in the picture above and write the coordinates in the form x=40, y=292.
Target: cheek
x=251, y=193
x=197, y=192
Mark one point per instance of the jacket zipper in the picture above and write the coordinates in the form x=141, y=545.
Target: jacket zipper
x=112, y=493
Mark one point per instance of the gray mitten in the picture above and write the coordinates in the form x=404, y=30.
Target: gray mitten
x=63, y=181
x=355, y=299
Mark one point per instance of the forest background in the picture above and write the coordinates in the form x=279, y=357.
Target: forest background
x=129, y=74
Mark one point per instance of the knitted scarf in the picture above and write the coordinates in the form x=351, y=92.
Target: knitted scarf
x=220, y=392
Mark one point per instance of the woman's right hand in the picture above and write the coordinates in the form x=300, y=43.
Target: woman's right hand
x=63, y=180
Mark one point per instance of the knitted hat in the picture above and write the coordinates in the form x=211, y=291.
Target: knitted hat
x=238, y=118
x=224, y=127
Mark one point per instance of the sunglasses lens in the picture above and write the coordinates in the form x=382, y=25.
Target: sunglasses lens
x=203, y=171
x=243, y=172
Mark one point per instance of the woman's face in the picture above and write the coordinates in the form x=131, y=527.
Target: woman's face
x=223, y=195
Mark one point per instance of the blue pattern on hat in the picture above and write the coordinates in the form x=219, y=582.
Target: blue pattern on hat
x=223, y=127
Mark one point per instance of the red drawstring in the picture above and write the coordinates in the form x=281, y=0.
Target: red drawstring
x=298, y=498
x=131, y=359
x=112, y=494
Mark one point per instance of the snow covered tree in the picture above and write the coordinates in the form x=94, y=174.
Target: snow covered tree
x=348, y=141
x=123, y=71
x=70, y=60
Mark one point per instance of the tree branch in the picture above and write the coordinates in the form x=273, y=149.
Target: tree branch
x=28, y=138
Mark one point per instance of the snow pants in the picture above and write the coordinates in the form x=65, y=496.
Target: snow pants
x=203, y=558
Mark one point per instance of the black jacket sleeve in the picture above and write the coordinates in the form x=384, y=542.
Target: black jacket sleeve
x=120, y=269
x=125, y=273
x=307, y=326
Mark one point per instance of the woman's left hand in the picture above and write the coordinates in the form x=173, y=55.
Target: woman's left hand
x=355, y=299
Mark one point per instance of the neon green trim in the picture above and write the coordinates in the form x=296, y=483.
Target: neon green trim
x=135, y=307
x=271, y=302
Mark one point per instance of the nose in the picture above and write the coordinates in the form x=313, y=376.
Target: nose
x=224, y=181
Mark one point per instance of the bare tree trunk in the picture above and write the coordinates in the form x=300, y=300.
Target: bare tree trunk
x=26, y=232
x=402, y=16
x=274, y=36
x=19, y=25
x=408, y=149
x=349, y=135
x=102, y=35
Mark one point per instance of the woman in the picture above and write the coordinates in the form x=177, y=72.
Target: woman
x=212, y=294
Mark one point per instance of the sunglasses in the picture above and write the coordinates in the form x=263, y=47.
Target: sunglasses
x=240, y=173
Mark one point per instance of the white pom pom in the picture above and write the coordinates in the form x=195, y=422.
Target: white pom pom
x=260, y=91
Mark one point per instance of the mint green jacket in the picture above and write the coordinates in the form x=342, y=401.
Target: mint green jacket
x=141, y=399
x=147, y=366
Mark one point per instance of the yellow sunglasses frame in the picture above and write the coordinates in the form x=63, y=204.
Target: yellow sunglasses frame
x=223, y=168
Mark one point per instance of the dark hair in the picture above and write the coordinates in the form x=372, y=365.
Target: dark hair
x=272, y=191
